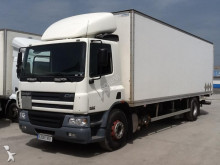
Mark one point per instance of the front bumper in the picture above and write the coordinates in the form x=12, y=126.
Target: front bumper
x=78, y=134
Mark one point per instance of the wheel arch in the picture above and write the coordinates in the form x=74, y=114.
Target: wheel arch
x=124, y=107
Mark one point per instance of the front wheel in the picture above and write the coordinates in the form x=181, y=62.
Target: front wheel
x=116, y=131
x=13, y=112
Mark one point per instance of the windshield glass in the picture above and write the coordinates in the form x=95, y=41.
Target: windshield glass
x=63, y=59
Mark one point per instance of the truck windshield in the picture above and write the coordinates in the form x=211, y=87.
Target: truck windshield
x=55, y=60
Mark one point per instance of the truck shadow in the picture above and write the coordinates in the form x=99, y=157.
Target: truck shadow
x=78, y=150
x=4, y=123
x=91, y=150
x=202, y=112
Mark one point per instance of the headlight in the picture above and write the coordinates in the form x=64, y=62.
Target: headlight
x=22, y=115
x=78, y=121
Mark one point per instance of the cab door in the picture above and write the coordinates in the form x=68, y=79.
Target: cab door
x=101, y=90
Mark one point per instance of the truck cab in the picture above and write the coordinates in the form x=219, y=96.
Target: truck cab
x=67, y=85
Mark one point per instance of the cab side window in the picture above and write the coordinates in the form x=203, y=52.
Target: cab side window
x=94, y=69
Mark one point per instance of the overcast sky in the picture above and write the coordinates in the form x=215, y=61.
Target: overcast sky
x=200, y=17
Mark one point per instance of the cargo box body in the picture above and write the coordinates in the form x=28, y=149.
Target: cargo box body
x=160, y=62
x=6, y=58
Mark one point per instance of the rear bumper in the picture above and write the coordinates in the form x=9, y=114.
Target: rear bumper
x=64, y=133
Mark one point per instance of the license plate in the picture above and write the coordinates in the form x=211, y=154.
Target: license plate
x=45, y=137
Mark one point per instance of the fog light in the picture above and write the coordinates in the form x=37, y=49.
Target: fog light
x=23, y=127
x=71, y=134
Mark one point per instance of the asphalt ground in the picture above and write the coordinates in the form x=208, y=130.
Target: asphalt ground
x=216, y=90
x=169, y=141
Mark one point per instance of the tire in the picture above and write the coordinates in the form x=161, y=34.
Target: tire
x=13, y=112
x=2, y=112
x=116, y=131
x=194, y=110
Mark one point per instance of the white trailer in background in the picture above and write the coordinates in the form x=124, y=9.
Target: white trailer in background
x=10, y=42
x=99, y=77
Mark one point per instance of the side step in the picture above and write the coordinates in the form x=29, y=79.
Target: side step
x=169, y=115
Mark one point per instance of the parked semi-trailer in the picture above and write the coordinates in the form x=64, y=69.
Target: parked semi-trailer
x=10, y=42
x=99, y=77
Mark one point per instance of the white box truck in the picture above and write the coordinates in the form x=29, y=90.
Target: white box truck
x=10, y=42
x=99, y=77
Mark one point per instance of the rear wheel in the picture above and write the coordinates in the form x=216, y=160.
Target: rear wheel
x=13, y=112
x=116, y=131
x=194, y=110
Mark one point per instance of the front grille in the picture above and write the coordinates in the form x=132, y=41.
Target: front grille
x=56, y=106
x=39, y=100
x=46, y=119
x=49, y=96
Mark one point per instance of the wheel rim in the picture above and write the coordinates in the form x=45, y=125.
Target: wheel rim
x=14, y=112
x=117, y=130
x=195, y=109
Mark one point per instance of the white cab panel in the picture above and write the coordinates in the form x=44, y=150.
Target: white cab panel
x=124, y=49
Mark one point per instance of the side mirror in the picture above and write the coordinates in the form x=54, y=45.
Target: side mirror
x=19, y=63
x=103, y=57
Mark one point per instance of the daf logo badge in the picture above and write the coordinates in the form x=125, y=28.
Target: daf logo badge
x=26, y=93
x=60, y=79
x=31, y=79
